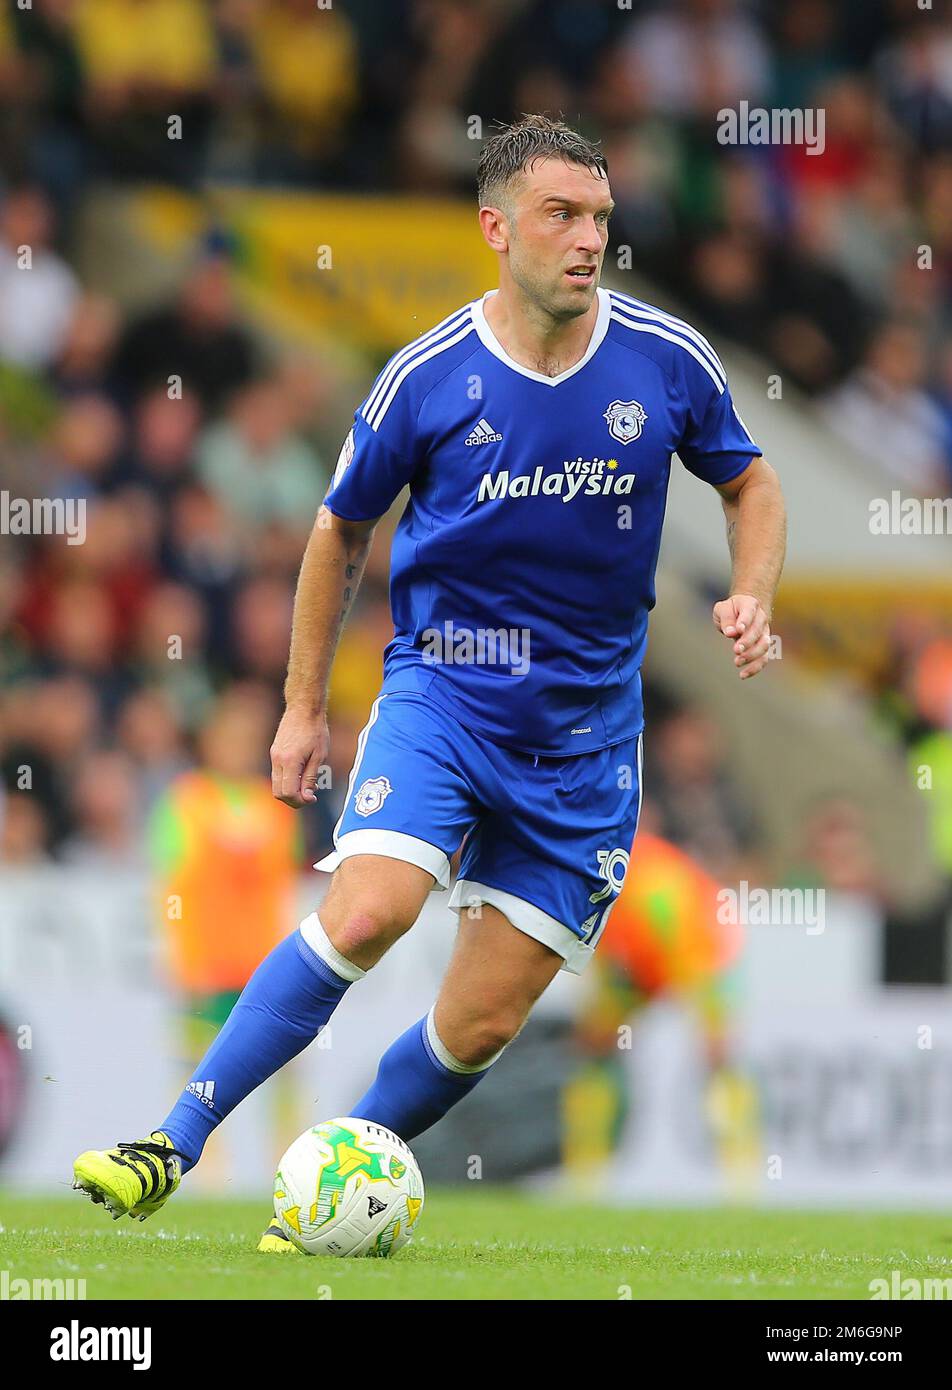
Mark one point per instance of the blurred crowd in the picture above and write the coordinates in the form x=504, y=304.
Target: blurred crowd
x=198, y=497
x=838, y=268
x=118, y=653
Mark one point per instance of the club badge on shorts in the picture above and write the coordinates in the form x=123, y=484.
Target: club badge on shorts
x=371, y=795
x=625, y=420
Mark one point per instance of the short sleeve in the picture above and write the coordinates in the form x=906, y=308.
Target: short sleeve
x=368, y=477
x=716, y=445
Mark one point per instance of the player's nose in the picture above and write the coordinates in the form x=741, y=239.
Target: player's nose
x=590, y=237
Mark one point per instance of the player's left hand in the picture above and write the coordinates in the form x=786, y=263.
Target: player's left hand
x=744, y=619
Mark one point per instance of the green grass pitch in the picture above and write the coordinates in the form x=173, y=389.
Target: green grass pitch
x=479, y=1244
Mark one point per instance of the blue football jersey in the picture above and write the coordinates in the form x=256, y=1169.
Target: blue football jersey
x=522, y=571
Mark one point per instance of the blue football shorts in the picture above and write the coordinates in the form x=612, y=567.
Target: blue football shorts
x=545, y=840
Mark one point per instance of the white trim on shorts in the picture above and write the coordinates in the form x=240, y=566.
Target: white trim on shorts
x=529, y=919
x=392, y=844
x=641, y=785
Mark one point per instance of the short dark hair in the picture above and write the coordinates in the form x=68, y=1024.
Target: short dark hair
x=513, y=149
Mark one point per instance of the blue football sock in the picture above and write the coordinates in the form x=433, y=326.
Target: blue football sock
x=417, y=1081
x=286, y=1002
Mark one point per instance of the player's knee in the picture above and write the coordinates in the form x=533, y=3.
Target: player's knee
x=366, y=911
x=363, y=932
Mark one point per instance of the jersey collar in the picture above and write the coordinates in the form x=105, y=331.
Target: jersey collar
x=489, y=340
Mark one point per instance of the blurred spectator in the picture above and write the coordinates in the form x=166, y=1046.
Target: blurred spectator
x=38, y=291
x=86, y=353
x=256, y=467
x=692, y=57
x=23, y=831
x=164, y=435
x=84, y=446
x=853, y=126
x=304, y=59
x=49, y=124
x=835, y=852
x=874, y=229
x=198, y=339
x=144, y=61
x=696, y=803
x=226, y=849
x=149, y=731
x=108, y=815
x=806, y=56
x=47, y=726
x=261, y=629
x=884, y=412
x=170, y=650
x=729, y=279
x=930, y=768
x=916, y=76
x=205, y=553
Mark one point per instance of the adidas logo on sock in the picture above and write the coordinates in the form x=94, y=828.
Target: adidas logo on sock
x=205, y=1090
x=483, y=433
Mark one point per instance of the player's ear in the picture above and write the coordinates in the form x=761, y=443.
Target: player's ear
x=495, y=228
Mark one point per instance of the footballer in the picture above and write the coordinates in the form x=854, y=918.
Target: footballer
x=535, y=430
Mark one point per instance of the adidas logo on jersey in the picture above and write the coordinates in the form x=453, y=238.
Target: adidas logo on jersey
x=205, y=1090
x=483, y=433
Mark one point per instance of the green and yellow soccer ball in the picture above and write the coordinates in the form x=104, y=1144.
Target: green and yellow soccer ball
x=348, y=1187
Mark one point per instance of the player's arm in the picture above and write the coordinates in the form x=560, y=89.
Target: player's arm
x=718, y=448
x=756, y=537
x=330, y=574
x=375, y=463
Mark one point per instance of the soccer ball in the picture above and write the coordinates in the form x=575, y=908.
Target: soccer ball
x=348, y=1187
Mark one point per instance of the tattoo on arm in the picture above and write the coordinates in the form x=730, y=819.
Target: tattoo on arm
x=731, y=535
x=350, y=571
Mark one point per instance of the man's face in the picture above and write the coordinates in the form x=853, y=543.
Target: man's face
x=557, y=234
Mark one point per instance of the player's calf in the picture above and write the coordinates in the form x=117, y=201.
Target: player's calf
x=494, y=978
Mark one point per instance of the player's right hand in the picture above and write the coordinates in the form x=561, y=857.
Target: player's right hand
x=297, y=754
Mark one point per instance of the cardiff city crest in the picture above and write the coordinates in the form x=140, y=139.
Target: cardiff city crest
x=371, y=795
x=625, y=419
